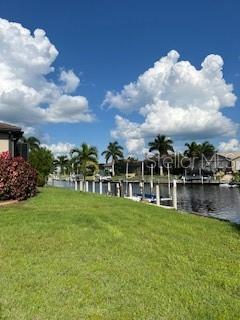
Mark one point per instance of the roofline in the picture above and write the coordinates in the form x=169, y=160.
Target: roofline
x=235, y=158
x=11, y=130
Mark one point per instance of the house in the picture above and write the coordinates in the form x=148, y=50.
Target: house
x=105, y=168
x=236, y=164
x=10, y=140
x=235, y=160
x=212, y=164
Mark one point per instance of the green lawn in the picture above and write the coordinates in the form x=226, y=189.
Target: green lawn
x=66, y=255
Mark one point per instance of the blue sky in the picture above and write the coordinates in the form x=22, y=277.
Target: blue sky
x=108, y=44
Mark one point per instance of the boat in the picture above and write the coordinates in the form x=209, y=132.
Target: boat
x=228, y=185
x=134, y=198
x=151, y=198
x=166, y=199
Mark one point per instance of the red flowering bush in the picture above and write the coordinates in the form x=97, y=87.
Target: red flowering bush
x=18, y=180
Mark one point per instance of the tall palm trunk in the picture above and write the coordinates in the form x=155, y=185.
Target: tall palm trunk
x=84, y=176
x=113, y=167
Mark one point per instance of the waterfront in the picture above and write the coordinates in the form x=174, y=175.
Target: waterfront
x=210, y=200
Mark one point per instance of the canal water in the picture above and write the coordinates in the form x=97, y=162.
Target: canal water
x=210, y=200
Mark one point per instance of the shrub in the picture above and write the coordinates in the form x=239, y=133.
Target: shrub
x=236, y=177
x=18, y=180
x=41, y=180
x=42, y=160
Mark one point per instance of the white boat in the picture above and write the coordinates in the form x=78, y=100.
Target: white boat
x=166, y=199
x=134, y=198
x=228, y=185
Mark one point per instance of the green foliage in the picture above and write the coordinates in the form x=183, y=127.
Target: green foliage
x=41, y=180
x=63, y=163
x=42, y=160
x=236, y=177
x=195, y=150
x=33, y=142
x=207, y=149
x=85, y=159
x=71, y=255
x=162, y=144
x=114, y=152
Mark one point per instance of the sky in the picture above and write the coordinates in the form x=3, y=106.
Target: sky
x=98, y=71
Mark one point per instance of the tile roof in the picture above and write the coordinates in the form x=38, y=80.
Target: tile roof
x=9, y=127
x=230, y=155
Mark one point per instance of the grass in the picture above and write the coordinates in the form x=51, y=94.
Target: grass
x=66, y=255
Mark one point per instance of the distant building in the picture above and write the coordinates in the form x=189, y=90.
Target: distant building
x=236, y=164
x=10, y=140
x=105, y=168
x=234, y=158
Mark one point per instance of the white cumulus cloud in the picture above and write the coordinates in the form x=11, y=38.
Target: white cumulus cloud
x=69, y=109
x=176, y=99
x=70, y=81
x=230, y=146
x=27, y=96
x=60, y=148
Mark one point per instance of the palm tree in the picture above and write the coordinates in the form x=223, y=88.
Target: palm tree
x=33, y=142
x=196, y=150
x=63, y=163
x=162, y=144
x=114, y=152
x=193, y=150
x=207, y=149
x=85, y=158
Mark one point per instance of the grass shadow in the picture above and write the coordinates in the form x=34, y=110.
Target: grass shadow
x=236, y=227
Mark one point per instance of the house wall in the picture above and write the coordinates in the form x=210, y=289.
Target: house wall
x=4, y=145
x=236, y=165
x=4, y=142
x=214, y=163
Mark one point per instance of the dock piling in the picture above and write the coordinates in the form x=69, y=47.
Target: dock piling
x=157, y=195
x=130, y=190
x=118, y=189
x=175, y=194
x=81, y=185
x=109, y=188
x=141, y=186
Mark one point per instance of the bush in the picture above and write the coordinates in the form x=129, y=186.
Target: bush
x=42, y=159
x=41, y=180
x=18, y=180
x=236, y=177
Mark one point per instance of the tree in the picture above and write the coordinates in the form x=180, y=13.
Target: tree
x=33, y=142
x=193, y=150
x=207, y=149
x=63, y=163
x=114, y=152
x=85, y=158
x=162, y=144
x=42, y=160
